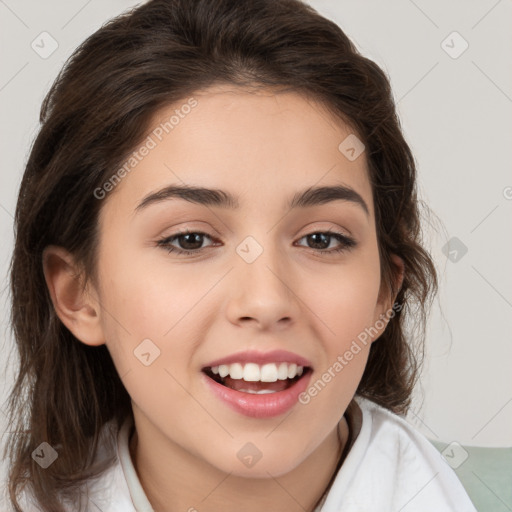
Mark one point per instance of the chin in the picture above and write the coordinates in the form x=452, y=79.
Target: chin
x=274, y=466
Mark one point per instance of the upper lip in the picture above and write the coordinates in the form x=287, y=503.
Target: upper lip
x=254, y=356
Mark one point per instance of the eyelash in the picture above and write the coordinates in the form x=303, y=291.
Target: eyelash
x=347, y=243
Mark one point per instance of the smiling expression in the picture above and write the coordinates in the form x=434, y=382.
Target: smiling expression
x=274, y=267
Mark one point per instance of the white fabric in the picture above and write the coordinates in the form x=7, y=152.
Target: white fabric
x=393, y=468
x=390, y=468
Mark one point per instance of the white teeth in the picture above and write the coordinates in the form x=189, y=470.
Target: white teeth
x=236, y=371
x=282, y=372
x=292, y=370
x=252, y=372
x=269, y=373
x=223, y=370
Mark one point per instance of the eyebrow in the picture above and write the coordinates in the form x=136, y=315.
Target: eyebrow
x=311, y=196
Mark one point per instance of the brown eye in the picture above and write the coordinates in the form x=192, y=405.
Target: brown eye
x=189, y=242
x=321, y=240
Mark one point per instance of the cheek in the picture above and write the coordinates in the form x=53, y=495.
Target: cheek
x=145, y=298
x=345, y=306
x=145, y=318
x=346, y=299
x=150, y=340
x=346, y=315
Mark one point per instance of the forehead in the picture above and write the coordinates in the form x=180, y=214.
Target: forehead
x=259, y=145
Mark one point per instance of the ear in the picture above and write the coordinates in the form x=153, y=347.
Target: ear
x=77, y=308
x=384, y=309
x=399, y=276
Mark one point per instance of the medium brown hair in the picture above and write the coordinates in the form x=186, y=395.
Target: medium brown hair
x=96, y=112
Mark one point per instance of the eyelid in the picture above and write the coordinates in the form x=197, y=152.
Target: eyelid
x=165, y=241
x=347, y=242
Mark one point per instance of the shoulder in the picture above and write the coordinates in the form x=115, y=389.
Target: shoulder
x=391, y=467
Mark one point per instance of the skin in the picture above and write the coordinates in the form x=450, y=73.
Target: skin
x=262, y=147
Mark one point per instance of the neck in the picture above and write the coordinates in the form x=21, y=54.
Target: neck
x=187, y=482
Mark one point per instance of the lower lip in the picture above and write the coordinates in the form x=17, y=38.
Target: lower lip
x=259, y=406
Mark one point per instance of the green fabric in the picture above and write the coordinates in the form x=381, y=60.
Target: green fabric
x=485, y=473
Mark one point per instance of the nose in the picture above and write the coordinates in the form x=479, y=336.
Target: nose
x=264, y=291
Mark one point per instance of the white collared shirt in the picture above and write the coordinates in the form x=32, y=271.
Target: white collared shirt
x=391, y=467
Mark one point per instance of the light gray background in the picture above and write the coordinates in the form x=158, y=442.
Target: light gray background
x=456, y=115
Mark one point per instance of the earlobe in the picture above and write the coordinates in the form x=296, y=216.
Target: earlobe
x=387, y=297
x=74, y=305
x=400, y=269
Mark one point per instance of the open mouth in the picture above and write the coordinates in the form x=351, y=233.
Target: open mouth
x=256, y=380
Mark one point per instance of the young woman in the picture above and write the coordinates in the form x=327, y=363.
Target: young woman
x=217, y=249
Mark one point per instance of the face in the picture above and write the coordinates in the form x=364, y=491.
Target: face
x=264, y=282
